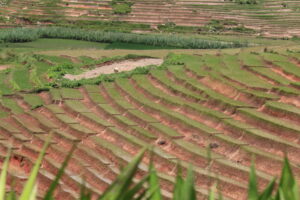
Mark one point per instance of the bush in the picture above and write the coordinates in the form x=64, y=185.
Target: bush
x=58, y=71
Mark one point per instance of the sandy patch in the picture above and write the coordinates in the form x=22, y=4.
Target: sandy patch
x=125, y=65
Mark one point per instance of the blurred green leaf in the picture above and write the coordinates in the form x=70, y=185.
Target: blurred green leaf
x=54, y=184
x=33, y=193
x=124, y=180
x=267, y=193
x=252, y=188
x=212, y=192
x=177, y=192
x=288, y=188
x=3, y=175
x=30, y=184
x=188, y=191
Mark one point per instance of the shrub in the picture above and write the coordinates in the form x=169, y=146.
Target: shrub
x=58, y=71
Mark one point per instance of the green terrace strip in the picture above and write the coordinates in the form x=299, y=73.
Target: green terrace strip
x=27, y=34
x=33, y=100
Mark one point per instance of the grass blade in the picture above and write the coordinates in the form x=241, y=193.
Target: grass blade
x=49, y=194
x=11, y=196
x=212, y=192
x=177, y=195
x=130, y=194
x=33, y=193
x=124, y=180
x=189, y=192
x=154, y=185
x=267, y=193
x=3, y=175
x=287, y=183
x=252, y=188
x=30, y=184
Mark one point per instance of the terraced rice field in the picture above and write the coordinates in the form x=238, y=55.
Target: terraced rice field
x=273, y=18
x=216, y=112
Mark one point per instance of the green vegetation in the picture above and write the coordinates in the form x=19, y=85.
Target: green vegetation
x=27, y=34
x=218, y=26
x=251, y=2
x=147, y=187
x=33, y=100
x=121, y=6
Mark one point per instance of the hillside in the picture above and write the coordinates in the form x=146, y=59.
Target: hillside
x=271, y=18
x=216, y=111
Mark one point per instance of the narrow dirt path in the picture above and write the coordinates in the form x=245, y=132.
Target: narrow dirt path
x=121, y=66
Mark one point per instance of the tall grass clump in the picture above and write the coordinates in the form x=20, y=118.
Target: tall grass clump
x=31, y=34
x=19, y=35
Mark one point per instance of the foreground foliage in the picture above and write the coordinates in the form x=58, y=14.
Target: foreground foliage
x=124, y=188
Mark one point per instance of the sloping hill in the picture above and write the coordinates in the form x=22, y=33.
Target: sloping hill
x=269, y=17
x=215, y=112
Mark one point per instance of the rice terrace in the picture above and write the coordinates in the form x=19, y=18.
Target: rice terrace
x=150, y=100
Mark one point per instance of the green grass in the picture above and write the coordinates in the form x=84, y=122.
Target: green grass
x=288, y=67
x=4, y=86
x=66, y=119
x=33, y=129
x=3, y=114
x=235, y=72
x=20, y=79
x=143, y=116
x=282, y=107
x=12, y=105
x=97, y=119
x=77, y=106
x=69, y=93
x=8, y=127
x=251, y=60
x=25, y=35
x=82, y=130
x=66, y=44
x=284, y=125
x=55, y=94
x=33, y=100
x=49, y=44
x=267, y=72
x=169, y=132
x=97, y=98
x=55, y=109
x=109, y=109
